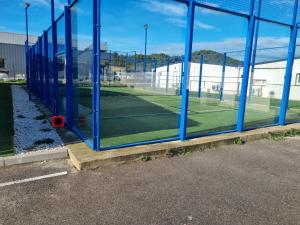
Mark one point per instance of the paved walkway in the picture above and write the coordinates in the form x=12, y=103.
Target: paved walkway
x=256, y=183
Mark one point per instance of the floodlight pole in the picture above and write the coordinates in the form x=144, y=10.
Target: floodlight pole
x=146, y=26
x=27, y=5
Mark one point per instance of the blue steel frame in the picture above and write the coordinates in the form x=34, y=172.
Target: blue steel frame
x=249, y=46
x=187, y=60
x=69, y=81
x=168, y=74
x=200, y=75
x=223, y=76
x=54, y=67
x=254, y=51
x=46, y=70
x=289, y=67
x=38, y=68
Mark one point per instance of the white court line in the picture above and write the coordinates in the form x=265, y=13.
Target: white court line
x=33, y=179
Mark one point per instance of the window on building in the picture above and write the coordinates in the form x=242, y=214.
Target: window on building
x=297, y=79
x=2, y=63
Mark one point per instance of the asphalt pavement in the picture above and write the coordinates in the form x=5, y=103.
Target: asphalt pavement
x=255, y=183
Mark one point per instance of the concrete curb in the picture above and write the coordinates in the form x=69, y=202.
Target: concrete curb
x=33, y=157
x=84, y=158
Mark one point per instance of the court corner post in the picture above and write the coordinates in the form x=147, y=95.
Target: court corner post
x=247, y=61
x=69, y=82
x=187, y=60
x=167, y=75
x=289, y=68
x=96, y=74
x=200, y=75
x=223, y=76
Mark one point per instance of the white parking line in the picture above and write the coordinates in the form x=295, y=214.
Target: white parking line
x=33, y=179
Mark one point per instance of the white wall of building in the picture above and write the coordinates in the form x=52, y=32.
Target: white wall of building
x=268, y=79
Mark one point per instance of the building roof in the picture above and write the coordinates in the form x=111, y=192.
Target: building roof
x=17, y=39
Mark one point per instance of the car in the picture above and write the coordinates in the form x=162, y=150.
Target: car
x=4, y=74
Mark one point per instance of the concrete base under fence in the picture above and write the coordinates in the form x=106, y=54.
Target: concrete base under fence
x=84, y=158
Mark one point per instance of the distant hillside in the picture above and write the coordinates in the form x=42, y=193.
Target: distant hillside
x=210, y=57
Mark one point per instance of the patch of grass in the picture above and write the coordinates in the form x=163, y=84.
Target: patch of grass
x=280, y=136
x=146, y=158
x=40, y=117
x=45, y=129
x=276, y=136
x=21, y=116
x=177, y=152
x=239, y=141
x=6, y=120
x=46, y=141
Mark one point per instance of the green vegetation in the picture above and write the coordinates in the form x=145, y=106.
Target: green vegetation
x=210, y=57
x=146, y=158
x=239, y=141
x=6, y=120
x=15, y=82
x=280, y=136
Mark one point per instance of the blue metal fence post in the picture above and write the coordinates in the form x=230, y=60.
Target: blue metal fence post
x=33, y=70
x=247, y=59
x=40, y=68
x=46, y=68
x=126, y=63
x=289, y=68
x=254, y=52
x=96, y=75
x=200, y=75
x=181, y=75
x=99, y=73
x=54, y=65
x=223, y=77
x=168, y=74
x=154, y=73
x=69, y=81
x=187, y=59
x=135, y=61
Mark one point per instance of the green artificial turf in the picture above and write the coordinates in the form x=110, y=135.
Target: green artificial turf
x=131, y=115
x=6, y=120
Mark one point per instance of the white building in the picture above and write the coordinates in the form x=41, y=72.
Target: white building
x=268, y=79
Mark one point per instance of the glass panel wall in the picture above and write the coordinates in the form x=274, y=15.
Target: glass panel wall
x=266, y=77
x=82, y=54
x=215, y=72
x=61, y=69
x=50, y=69
x=143, y=55
x=293, y=111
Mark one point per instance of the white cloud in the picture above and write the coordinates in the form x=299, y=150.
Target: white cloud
x=228, y=45
x=175, y=13
x=198, y=24
x=182, y=23
x=168, y=9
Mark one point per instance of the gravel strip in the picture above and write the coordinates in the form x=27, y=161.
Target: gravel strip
x=31, y=132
